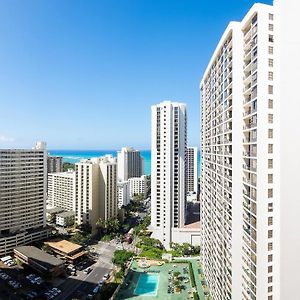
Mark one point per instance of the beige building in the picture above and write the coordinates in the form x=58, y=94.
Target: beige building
x=61, y=190
x=87, y=198
x=108, y=187
x=23, y=180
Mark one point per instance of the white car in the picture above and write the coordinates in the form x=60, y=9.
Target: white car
x=105, y=277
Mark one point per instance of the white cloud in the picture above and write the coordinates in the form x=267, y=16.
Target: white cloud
x=6, y=139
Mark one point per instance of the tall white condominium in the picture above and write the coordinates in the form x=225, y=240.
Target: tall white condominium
x=239, y=162
x=23, y=180
x=192, y=169
x=87, y=199
x=287, y=47
x=61, y=190
x=108, y=187
x=54, y=164
x=130, y=164
x=168, y=150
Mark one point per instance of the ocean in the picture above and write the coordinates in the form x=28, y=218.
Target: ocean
x=74, y=156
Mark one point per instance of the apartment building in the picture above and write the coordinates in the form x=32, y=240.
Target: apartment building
x=137, y=185
x=54, y=164
x=108, y=187
x=61, y=190
x=87, y=198
x=287, y=180
x=23, y=180
x=238, y=143
x=192, y=170
x=168, y=174
x=123, y=193
x=130, y=163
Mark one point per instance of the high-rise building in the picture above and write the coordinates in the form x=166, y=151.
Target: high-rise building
x=61, y=190
x=54, y=164
x=192, y=170
x=23, y=180
x=168, y=175
x=137, y=185
x=130, y=164
x=108, y=187
x=238, y=143
x=87, y=198
x=123, y=193
x=287, y=180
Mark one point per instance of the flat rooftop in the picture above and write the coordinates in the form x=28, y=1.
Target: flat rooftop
x=39, y=257
x=66, y=214
x=64, y=246
x=54, y=210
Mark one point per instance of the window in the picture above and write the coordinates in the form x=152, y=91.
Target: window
x=270, y=234
x=271, y=38
x=270, y=246
x=270, y=76
x=271, y=17
x=270, y=89
x=270, y=163
x=270, y=178
x=270, y=259
x=271, y=27
x=270, y=133
x=270, y=297
x=270, y=103
x=270, y=148
x=270, y=207
x=270, y=221
x=270, y=62
x=270, y=193
x=271, y=50
x=270, y=269
x=270, y=118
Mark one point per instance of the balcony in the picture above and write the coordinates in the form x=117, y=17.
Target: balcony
x=250, y=125
x=249, y=153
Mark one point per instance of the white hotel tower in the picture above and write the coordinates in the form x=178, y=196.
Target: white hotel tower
x=239, y=145
x=168, y=151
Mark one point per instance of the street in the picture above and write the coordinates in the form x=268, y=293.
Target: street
x=83, y=284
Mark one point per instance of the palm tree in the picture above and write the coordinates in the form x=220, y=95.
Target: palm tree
x=101, y=225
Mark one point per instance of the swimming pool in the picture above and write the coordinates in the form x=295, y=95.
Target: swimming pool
x=147, y=285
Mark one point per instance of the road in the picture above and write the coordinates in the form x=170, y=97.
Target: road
x=84, y=284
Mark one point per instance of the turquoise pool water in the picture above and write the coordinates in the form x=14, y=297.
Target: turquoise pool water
x=147, y=285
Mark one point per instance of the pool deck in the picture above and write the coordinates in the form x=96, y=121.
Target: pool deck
x=127, y=290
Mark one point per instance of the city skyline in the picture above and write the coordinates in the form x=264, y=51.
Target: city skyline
x=71, y=79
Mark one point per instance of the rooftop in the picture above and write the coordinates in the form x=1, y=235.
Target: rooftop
x=64, y=246
x=54, y=210
x=39, y=257
x=66, y=214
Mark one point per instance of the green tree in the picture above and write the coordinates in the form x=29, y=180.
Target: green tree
x=121, y=257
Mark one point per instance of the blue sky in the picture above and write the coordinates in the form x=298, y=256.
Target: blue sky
x=83, y=74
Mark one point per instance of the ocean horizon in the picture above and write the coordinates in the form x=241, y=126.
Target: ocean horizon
x=74, y=156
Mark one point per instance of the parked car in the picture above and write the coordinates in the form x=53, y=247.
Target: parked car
x=87, y=270
x=105, y=277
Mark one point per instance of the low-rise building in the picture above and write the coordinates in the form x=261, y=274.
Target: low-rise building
x=52, y=212
x=66, y=218
x=39, y=260
x=67, y=250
